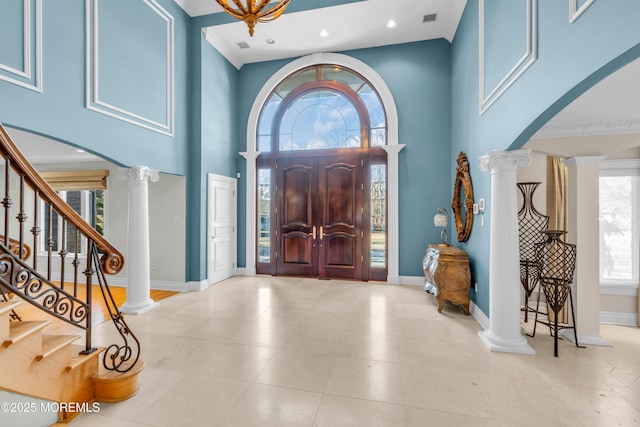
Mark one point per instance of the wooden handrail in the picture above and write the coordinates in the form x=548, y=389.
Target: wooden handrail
x=111, y=260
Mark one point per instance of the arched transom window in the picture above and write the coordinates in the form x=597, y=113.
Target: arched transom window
x=322, y=107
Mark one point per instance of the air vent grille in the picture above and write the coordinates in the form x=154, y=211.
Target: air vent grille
x=429, y=18
x=243, y=45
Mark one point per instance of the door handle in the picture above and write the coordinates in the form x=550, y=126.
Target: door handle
x=313, y=233
x=321, y=233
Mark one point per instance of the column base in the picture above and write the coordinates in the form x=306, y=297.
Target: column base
x=519, y=346
x=140, y=308
x=584, y=339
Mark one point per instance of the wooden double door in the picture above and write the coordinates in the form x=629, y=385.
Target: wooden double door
x=320, y=217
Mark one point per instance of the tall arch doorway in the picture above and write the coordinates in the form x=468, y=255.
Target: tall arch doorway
x=347, y=185
x=322, y=177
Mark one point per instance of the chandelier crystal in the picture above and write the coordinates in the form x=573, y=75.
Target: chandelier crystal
x=254, y=11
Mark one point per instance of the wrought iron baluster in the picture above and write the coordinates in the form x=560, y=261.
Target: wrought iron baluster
x=35, y=230
x=6, y=202
x=50, y=241
x=88, y=272
x=21, y=217
x=76, y=263
x=63, y=251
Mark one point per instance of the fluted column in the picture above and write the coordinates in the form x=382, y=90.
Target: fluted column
x=504, y=280
x=138, y=258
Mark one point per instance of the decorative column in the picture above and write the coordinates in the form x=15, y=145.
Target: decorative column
x=138, y=264
x=250, y=214
x=393, y=229
x=584, y=223
x=504, y=263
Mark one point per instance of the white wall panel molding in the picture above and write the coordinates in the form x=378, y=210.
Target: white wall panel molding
x=527, y=59
x=93, y=101
x=575, y=10
x=589, y=128
x=30, y=76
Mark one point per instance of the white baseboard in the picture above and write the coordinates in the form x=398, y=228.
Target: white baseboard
x=410, y=280
x=159, y=285
x=615, y=318
x=195, y=285
x=479, y=315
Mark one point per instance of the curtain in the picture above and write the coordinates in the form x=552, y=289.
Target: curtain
x=557, y=206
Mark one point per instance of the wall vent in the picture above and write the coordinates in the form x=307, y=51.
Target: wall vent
x=429, y=18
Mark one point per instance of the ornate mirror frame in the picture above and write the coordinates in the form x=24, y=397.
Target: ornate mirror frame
x=463, y=183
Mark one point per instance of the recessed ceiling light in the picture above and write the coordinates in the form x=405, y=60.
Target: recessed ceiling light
x=392, y=23
x=270, y=41
x=79, y=151
x=324, y=33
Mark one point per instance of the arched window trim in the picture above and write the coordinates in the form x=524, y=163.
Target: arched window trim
x=392, y=148
x=309, y=87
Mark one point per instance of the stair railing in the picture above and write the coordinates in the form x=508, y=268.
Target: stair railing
x=67, y=300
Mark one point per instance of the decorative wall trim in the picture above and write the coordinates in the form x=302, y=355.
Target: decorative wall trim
x=456, y=15
x=521, y=66
x=589, y=129
x=31, y=76
x=575, y=11
x=93, y=101
x=621, y=319
x=479, y=315
x=222, y=47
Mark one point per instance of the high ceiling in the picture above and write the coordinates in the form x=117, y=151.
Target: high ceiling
x=350, y=25
x=610, y=108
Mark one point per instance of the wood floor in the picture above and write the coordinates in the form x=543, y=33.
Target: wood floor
x=99, y=313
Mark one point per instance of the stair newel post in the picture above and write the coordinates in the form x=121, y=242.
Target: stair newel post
x=35, y=230
x=6, y=202
x=89, y=291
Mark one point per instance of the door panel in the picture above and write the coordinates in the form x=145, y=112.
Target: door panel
x=340, y=217
x=296, y=213
x=221, y=228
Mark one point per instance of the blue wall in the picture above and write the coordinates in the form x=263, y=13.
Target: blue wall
x=419, y=78
x=571, y=59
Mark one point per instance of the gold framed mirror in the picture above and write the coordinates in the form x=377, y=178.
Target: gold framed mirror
x=462, y=203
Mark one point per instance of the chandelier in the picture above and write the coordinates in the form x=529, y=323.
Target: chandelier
x=254, y=11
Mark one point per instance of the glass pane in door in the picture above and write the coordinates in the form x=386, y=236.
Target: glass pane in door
x=378, y=215
x=264, y=215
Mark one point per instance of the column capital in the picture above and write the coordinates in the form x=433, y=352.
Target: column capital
x=139, y=173
x=393, y=149
x=250, y=156
x=503, y=161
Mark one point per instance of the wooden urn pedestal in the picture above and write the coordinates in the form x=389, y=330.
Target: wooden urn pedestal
x=447, y=275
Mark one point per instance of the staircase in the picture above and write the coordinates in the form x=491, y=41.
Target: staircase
x=51, y=367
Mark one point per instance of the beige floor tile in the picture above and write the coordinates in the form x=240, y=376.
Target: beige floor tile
x=302, y=371
x=235, y=361
x=337, y=411
x=265, y=333
x=417, y=417
x=367, y=379
x=269, y=406
x=217, y=329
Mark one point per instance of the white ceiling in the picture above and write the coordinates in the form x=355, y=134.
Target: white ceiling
x=41, y=150
x=350, y=26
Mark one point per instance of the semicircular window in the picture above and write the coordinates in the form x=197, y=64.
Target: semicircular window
x=319, y=108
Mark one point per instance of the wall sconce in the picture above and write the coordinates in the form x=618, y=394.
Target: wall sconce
x=441, y=220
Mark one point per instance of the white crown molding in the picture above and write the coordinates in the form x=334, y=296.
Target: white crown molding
x=31, y=76
x=588, y=129
x=456, y=15
x=575, y=12
x=93, y=101
x=521, y=66
x=222, y=48
x=199, y=7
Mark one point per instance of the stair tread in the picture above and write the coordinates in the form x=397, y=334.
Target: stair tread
x=6, y=306
x=21, y=330
x=53, y=343
x=80, y=359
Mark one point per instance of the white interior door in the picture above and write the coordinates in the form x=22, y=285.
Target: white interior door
x=221, y=258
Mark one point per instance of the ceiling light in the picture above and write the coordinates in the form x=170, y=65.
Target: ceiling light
x=251, y=14
x=270, y=41
x=392, y=23
x=324, y=33
x=79, y=151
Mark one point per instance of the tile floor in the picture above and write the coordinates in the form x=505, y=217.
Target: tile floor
x=267, y=351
